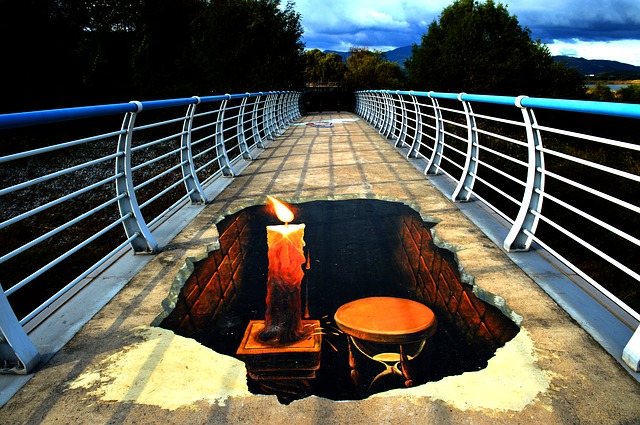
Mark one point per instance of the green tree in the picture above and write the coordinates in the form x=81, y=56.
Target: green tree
x=248, y=45
x=601, y=93
x=629, y=94
x=480, y=48
x=368, y=69
x=323, y=67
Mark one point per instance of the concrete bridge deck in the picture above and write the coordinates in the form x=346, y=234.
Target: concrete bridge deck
x=119, y=370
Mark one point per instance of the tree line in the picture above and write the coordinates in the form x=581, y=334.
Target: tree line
x=59, y=53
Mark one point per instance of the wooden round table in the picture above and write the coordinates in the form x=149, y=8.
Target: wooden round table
x=389, y=330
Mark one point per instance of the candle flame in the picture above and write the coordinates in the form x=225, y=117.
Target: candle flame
x=283, y=213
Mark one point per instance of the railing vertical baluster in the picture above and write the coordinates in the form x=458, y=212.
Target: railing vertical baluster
x=400, y=141
x=269, y=112
x=290, y=111
x=242, y=140
x=379, y=112
x=365, y=105
x=527, y=219
x=134, y=224
x=280, y=103
x=433, y=164
x=191, y=182
x=417, y=137
x=255, y=131
x=390, y=115
x=221, y=149
x=462, y=192
x=631, y=352
x=17, y=353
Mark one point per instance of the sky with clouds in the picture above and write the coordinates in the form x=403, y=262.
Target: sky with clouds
x=592, y=29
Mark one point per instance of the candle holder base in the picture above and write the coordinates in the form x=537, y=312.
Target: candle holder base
x=285, y=360
x=279, y=369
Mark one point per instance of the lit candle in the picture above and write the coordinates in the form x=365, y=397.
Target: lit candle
x=283, y=318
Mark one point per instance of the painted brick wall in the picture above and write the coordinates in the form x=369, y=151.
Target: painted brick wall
x=436, y=280
x=211, y=289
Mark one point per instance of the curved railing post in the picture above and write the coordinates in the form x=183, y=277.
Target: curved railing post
x=294, y=106
x=290, y=108
x=191, y=182
x=17, y=352
x=279, y=111
x=389, y=115
x=417, y=138
x=462, y=192
x=242, y=140
x=433, y=164
x=269, y=117
x=378, y=111
x=403, y=122
x=631, y=351
x=255, y=131
x=527, y=218
x=136, y=229
x=221, y=149
x=365, y=105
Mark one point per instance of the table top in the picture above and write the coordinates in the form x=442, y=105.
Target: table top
x=387, y=320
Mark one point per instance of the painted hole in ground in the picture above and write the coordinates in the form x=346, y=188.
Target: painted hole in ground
x=356, y=249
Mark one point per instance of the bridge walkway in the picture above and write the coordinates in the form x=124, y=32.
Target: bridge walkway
x=117, y=369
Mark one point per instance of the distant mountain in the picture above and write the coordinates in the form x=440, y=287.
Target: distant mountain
x=610, y=68
x=598, y=66
x=399, y=55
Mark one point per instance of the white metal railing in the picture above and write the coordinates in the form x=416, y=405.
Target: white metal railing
x=57, y=200
x=492, y=148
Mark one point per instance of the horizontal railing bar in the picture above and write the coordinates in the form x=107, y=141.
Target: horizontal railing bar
x=64, y=256
x=591, y=218
x=57, y=201
x=502, y=173
x=171, y=207
x=502, y=155
x=591, y=164
x=157, y=159
x=147, y=145
x=157, y=124
x=493, y=207
x=454, y=149
x=58, y=229
x=159, y=175
x=59, y=146
x=500, y=120
x=501, y=137
x=162, y=193
x=587, y=245
x=60, y=173
x=496, y=189
x=611, y=297
x=74, y=282
x=603, y=140
x=592, y=191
